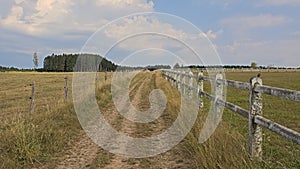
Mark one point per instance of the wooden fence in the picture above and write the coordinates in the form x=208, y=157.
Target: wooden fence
x=253, y=114
x=33, y=88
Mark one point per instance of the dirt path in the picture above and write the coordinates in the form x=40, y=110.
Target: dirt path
x=81, y=155
x=86, y=154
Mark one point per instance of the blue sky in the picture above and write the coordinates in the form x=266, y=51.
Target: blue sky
x=263, y=31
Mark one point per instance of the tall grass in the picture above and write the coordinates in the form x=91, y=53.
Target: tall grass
x=228, y=146
x=277, y=151
x=34, y=140
x=29, y=140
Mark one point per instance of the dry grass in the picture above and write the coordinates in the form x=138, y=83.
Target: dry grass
x=29, y=140
x=37, y=139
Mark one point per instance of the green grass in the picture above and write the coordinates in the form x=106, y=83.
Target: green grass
x=228, y=146
x=277, y=151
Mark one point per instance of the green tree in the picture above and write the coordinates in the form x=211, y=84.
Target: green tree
x=253, y=65
x=176, y=66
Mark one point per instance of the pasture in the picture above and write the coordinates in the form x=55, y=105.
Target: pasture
x=41, y=138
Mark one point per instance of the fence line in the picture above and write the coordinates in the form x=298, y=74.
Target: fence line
x=253, y=114
x=33, y=89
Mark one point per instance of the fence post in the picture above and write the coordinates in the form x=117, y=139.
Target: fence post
x=66, y=89
x=200, y=89
x=175, y=79
x=32, y=97
x=218, y=91
x=255, y=108
x=184, y=83
x=178, y=80
x=172, y=75
x=190, y=92
x=166, y=75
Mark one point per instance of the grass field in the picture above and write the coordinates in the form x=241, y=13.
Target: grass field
x=29, y=140
x=277, y=152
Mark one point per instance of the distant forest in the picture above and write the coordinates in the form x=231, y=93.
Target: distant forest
x=77, y=63
x=93, y=62
x=87, y=62
x=5, y=69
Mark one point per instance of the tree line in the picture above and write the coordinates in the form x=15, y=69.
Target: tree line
x=77, y=63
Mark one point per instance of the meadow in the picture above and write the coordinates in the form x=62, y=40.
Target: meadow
x=33, y=140
x=27, y=139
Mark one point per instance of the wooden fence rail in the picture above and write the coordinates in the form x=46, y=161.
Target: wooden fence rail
x=254, y=112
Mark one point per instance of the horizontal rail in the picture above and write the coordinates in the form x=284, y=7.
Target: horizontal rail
x=279, y=129
x=255, y=134
x=274, y=91
x=234, y=108
x=231, y=83
x=235, y=84
x=283, y=93
x=230, y=106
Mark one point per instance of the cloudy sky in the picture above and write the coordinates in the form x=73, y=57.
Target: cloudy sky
x=263, y=31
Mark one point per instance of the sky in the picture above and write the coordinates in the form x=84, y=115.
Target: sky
x=232, y=32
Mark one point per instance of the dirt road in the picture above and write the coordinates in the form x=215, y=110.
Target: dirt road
x=86, y=154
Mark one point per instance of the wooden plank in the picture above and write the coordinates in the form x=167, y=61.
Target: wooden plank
x=285, y=132
x=234, y=108
x=235, y=84
x=279, y=92
x=231, y=106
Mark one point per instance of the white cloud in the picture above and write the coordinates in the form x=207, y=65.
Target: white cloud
x=121, y=4
x=56, y=17
x=259, y=21
x=142, y=24
x=279, y=2
x=224, y=3
x=279, y=52
x=155, y=32
x=163, y=35
x=210, y=34
x=47, y=12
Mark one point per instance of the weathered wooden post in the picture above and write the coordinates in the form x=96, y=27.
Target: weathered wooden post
x=175, y=79
x=166, y=74
x=255, y=108
x=105, y=75
x=32, y=97
x=66, y=89
x=200, y=89
x=172, y=78
x=178, y=80
x=218, y=91
x=190, y=92
x=183, y=82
